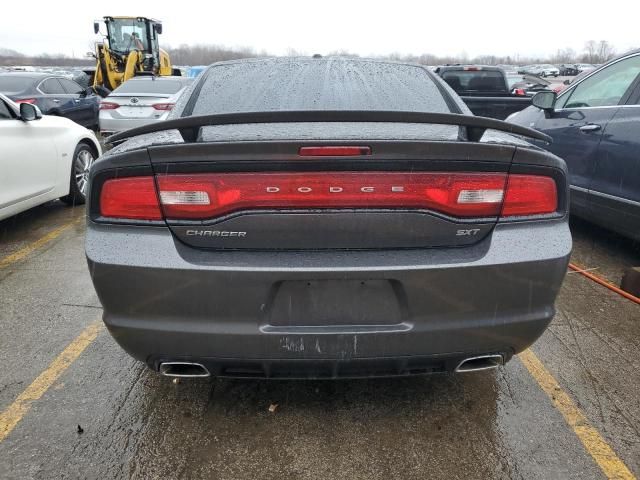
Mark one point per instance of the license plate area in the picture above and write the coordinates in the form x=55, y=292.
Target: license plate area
x=335, y=302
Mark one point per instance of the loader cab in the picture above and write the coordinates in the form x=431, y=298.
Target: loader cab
x=127, y=34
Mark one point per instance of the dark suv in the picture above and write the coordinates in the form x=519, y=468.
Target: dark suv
x=326, y=217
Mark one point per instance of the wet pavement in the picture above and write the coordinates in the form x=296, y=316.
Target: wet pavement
x=135, y=424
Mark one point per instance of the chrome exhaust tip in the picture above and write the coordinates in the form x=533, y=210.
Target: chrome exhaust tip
x=482, y=362
x=183, y=369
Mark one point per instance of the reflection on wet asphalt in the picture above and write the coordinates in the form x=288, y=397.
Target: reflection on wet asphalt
x=496, y=424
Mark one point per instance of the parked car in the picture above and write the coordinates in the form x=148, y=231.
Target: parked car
x=294, y=219
x=568, y=70
x=43, y=158
x=595, y=125
x=527, y=85
x=585, y=67
x=139, y=101
x=54, y=95
x=540, y=70
x=548, y=70
x=485, y=90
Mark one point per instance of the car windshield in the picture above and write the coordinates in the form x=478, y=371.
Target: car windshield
x=513, y=79
x=318, y=84
x=127, y=34
x=10, y=84
x=165, y=87
x=475, y=80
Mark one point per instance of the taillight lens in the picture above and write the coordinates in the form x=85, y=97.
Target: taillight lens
x=163, y=106
x=130, y=198
x=530, y=195
x=32, y=101
x=202, y=196
x=108, y=106
x=209, y=195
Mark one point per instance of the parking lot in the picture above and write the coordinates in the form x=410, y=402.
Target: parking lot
x=74, y=405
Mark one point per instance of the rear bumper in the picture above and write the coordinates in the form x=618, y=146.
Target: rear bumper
x=110, y=125
x=164, y=301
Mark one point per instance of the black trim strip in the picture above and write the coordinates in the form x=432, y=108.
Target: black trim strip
x=475, y=126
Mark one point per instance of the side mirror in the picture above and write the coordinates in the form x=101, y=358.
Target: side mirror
x=545, y=100
x=158, y=28
x=29, y=113
x=86, y=92
x=96, y=27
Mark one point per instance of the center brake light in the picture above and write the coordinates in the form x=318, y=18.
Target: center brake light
x=209, y=195
x=334, y=151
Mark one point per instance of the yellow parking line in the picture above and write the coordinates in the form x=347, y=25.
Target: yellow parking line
x=10, y=417
x=597, y=447
x=23, y=252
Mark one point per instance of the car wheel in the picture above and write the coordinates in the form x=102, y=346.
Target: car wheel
x=83, y=158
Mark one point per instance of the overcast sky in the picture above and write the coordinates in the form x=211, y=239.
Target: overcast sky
x=371, y=27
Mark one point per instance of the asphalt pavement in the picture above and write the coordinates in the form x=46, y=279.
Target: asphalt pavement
x=74, y=405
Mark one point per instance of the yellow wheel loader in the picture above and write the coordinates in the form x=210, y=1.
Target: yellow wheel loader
x=130, y=48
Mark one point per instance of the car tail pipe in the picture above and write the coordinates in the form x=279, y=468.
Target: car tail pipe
x=183, y=369
x=481, y=362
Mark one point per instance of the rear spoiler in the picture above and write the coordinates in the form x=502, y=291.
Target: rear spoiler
x=472, y=127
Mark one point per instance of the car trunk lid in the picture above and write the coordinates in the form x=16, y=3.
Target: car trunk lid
x=356, y=194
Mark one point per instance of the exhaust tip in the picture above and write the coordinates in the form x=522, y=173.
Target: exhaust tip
x=482, y=362
x=183, y=369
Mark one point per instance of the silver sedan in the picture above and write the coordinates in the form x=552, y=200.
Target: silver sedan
x=140, y=101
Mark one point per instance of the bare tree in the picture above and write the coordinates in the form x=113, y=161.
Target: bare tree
x=605, y=51
x=591, y=51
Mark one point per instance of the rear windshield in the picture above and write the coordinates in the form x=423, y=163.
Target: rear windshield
x=317, y=84
x=513, y=79
x=167, y=87
x=475, y=80
x=11, y=84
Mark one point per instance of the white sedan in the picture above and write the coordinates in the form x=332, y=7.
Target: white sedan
x=41, y=158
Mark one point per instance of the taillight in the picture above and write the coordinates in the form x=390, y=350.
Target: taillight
x=530, y=195
x=201, y=196
x=32, y=101
x=130, y=198
x=209, y=195
x=108, y=106
x=520, y=92
x=163, y=106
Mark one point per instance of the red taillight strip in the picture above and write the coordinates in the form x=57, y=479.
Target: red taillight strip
x=450, y=193
x=205, y=196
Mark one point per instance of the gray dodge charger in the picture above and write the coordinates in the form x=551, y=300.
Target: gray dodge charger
x=326, y=218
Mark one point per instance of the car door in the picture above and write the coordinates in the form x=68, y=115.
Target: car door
x=54, y=98
x=615, y=189
x=84, y=106
x=580, y=120
x=28, y=163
